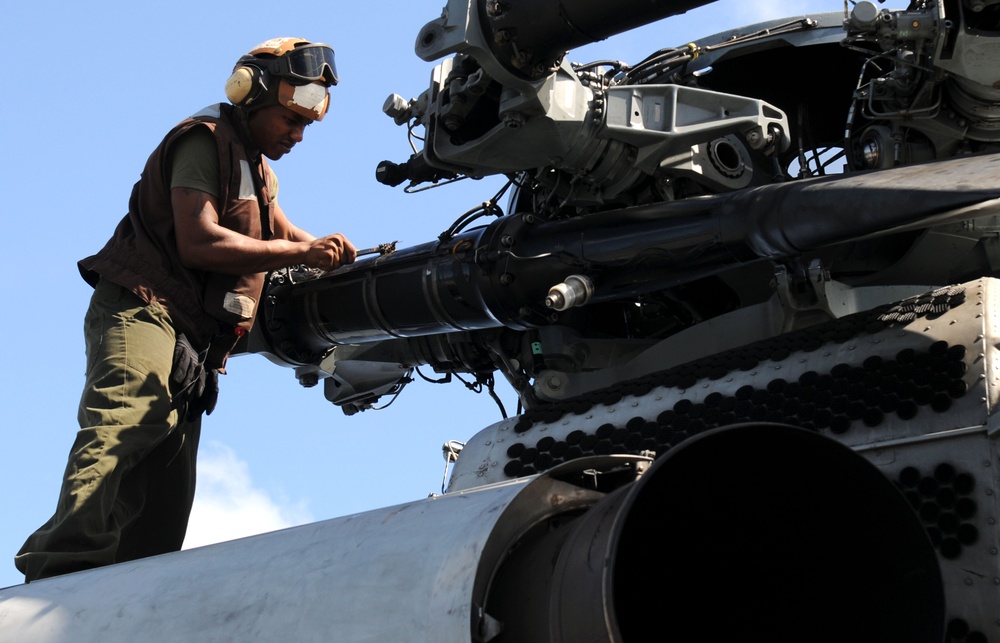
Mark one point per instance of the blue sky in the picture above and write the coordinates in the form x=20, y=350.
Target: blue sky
x=95, y=86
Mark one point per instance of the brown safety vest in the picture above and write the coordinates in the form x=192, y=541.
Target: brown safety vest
x=213, y=310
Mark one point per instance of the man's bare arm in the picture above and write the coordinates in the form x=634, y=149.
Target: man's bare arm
x=204, y=244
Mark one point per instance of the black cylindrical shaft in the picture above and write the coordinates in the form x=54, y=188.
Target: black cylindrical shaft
x=500, y=275
x=530, y=36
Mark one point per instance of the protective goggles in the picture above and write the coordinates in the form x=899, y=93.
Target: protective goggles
x=307, y=64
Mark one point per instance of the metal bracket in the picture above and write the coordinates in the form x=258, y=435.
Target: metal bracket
x=805, y=300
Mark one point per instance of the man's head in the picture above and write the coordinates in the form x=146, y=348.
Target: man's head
x=291, y=72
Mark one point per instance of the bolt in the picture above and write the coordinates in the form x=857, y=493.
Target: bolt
x=506, y=279
x=513, y=120
x=495, y=10
x=520, y=59
x=502, y=37
x=309, y=380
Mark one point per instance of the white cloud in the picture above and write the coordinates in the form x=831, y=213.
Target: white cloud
x=228, y=506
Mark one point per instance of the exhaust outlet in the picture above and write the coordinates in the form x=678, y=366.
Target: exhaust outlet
x=759, y=529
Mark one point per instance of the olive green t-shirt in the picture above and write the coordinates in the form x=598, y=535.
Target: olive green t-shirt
x=195, y=164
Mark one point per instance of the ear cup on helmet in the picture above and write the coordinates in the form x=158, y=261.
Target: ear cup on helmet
x=245, y=85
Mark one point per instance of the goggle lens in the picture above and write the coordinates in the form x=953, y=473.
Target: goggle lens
x=310, y=63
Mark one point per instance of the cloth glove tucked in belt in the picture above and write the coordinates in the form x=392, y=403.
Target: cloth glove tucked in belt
x=193, y=388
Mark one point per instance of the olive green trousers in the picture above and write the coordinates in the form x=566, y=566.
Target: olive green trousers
x=129, y=483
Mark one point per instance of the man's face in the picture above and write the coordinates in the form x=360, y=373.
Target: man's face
x=276, y=129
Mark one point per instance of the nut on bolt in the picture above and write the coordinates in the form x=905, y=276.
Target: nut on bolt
x=520, y=59
x=496, y=9
x=309, y=380
x=541, y=69
x=513, y=120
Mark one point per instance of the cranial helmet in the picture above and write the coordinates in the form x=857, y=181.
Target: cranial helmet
x=284, y=71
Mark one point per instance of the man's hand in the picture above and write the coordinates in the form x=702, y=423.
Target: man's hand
x=329, y=253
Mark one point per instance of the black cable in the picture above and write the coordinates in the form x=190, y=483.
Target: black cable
x=443, y=380
x=484, y=209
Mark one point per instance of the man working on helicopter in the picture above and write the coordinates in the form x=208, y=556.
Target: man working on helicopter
x=176, y=287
